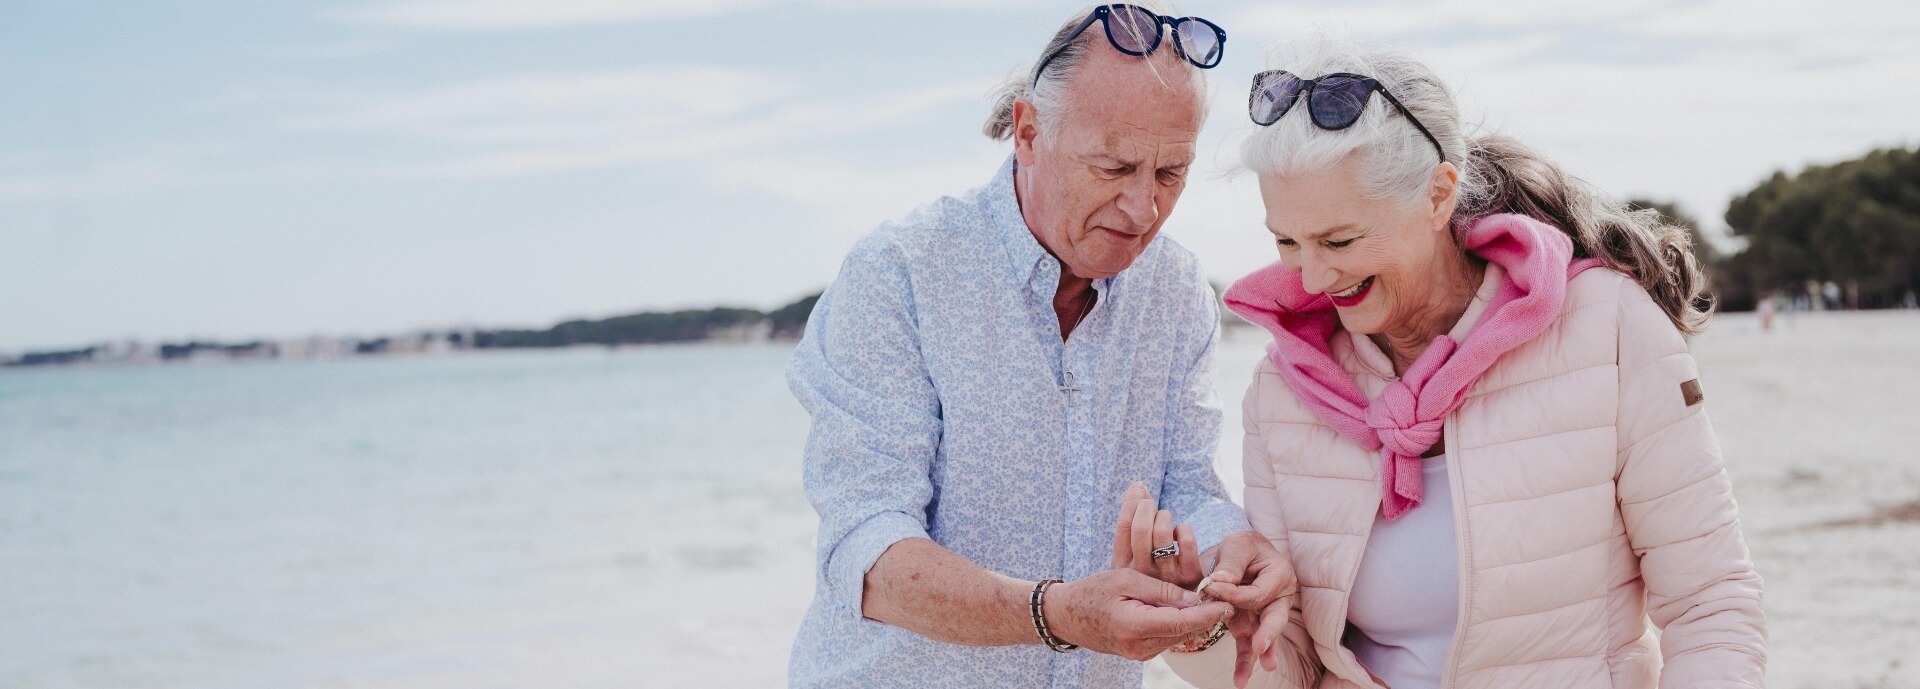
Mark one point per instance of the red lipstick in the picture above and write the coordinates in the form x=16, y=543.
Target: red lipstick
x=1365, y=287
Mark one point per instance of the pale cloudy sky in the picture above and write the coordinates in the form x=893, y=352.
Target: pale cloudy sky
x=243, y=169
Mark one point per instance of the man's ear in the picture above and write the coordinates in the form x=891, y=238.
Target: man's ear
x=1443, y=193
x=1026, y=128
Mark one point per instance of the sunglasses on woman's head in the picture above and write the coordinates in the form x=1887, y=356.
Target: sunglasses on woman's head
x=1136, y=31
x=1334, y=101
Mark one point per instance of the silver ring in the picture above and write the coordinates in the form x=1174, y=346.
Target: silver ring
x=1168, y=550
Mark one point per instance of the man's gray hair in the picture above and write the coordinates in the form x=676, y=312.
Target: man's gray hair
x=1045, y=91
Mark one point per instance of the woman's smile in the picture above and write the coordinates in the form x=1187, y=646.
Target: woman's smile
x=1352, y=296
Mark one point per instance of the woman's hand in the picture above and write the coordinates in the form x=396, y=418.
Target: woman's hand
x=1142, y=528
x=1259, y=581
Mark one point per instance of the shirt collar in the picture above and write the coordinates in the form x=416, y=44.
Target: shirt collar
x=1003, y=210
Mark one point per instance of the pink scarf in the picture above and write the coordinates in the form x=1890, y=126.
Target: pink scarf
x=1406, y=420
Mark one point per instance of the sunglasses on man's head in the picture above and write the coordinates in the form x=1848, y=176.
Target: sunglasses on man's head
x=1334, y=101
x=1136, y=31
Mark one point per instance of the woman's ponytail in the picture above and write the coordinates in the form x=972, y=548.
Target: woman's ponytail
x=1506, y=176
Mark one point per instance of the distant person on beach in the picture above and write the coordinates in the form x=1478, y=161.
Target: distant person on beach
x=1478, y=433
x=989, y=372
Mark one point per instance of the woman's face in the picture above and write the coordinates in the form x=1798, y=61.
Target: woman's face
x=1383, y=263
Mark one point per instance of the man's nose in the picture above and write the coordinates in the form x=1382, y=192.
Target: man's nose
x=1138, y=202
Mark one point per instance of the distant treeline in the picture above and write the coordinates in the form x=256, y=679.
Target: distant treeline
x=1855, y=223
x=718, y=324
x=166, y=352
x=786, y=322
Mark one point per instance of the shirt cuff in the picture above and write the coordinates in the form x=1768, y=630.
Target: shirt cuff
x=1213, y=523
x=860, y=548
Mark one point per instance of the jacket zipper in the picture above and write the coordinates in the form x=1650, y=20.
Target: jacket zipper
x=1455, y=480
x=1353, y=575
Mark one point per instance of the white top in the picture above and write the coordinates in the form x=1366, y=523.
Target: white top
x=1406, y=599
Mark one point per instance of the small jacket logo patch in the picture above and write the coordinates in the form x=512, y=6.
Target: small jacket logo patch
x=1690, y=391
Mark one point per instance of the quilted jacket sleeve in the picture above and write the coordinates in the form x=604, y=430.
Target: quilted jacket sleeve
x=1678, y=506
x=1299, y=667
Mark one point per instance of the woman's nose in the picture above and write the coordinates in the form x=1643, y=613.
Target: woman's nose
x=1315, y=276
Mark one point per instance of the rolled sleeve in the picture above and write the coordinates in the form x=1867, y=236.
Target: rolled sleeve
x=876, y=418
x=847, y=565
x=1192, y=488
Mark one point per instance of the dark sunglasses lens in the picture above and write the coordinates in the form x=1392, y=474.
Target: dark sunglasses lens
x=1133, y=30
x=1337, y=101
x=1199, y=40
x=1272, y=97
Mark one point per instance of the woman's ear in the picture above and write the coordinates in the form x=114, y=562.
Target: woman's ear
x=1443, y=194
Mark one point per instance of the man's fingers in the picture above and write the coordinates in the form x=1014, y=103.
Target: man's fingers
x=1143, y=513
x=1151, y=591
x=1123, y=530
x=1164, y=567
x=1187, y=567
x=1179, y=623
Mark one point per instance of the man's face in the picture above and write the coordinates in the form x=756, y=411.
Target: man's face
x=1098, y=189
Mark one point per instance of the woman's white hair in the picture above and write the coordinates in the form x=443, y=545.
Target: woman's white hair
x=1498, y=174
x=1398, y=160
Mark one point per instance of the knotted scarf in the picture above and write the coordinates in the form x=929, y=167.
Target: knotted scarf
x=1406, y=419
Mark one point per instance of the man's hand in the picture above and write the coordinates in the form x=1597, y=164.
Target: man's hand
x=1250, y=574
x=1258, y=580
x=1141, y=529
x=1128, y=614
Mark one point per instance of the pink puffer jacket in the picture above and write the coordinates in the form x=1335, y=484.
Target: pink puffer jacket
x=1589, y=500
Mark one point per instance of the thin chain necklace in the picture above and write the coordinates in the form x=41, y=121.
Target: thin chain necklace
x=1067, y=385
x=1092, y=296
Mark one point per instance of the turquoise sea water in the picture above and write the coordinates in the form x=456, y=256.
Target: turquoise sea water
x=498, y=519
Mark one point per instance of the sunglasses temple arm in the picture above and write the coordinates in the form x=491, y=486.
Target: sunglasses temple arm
x=1092, y=17
x=1416, y=123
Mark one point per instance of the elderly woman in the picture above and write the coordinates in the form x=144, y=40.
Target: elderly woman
x=1478, y=433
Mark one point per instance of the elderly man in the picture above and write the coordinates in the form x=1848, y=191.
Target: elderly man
x=988, y=375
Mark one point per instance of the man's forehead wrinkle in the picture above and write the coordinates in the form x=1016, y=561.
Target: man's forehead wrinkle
x=1135, y=141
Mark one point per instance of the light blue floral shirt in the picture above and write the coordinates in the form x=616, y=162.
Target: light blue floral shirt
x=942, y=408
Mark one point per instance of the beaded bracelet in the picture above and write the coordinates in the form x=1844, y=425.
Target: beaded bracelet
x=1199, y=644
x=1034, y=601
